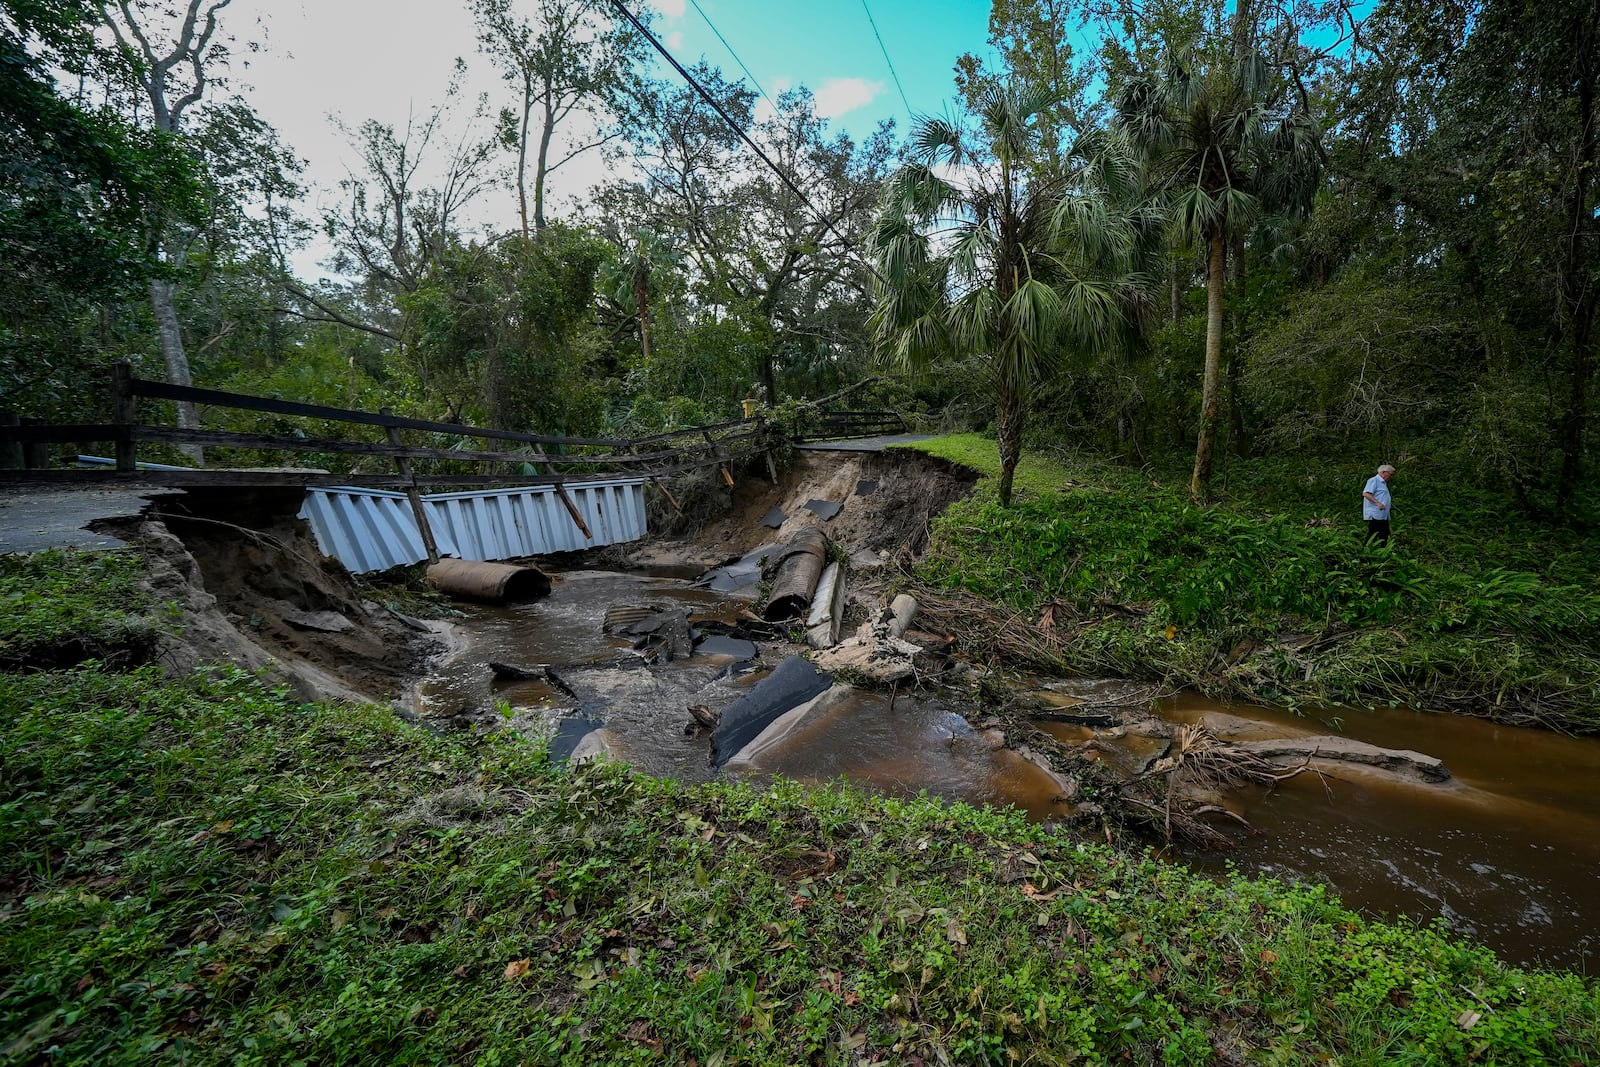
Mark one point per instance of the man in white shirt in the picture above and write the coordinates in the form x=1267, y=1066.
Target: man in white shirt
x=1375, y=505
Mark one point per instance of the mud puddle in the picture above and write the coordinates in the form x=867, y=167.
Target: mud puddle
x=1506, y=852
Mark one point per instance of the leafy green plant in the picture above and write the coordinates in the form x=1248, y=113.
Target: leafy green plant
x=60, y=608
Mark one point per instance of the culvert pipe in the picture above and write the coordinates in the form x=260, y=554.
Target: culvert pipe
x=799, y=566
x=491, y=583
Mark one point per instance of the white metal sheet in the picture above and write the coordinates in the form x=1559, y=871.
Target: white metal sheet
x=368, y=529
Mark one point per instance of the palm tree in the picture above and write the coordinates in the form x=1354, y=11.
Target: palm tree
x=984, y=249
x=1223, y=146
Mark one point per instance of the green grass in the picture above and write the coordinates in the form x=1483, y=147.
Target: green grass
x=61, y=608
x=201, y=871
x=1273, y=593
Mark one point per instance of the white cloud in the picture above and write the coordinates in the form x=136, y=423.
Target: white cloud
x=673, y=9
x=841, y=96
x=675, y=41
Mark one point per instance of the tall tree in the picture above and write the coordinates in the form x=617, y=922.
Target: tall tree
x=1224, y=143
x=572, y=64
x=76, y=183
x=982, y=252
x=173, y=71
x=393, y=224
x=784, y=263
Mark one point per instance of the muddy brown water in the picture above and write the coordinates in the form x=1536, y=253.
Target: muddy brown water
x=1506, y=853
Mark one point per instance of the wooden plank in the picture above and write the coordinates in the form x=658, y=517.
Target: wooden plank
x=10, y=448
x=124, y=405
x=218, y=398
x=402, y=466
x=669, y=434
x=229, y=439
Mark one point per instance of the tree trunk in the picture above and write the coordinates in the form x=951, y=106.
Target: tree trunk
x=1216, y=280
x=1011, y=415
x=543, y=165
x=522, y=153
x=162, y=296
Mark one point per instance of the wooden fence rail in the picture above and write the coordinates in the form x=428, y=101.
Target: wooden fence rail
x=551, y=458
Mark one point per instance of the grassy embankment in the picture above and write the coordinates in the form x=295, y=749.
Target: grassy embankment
x=1272, y=594
x=203, y=871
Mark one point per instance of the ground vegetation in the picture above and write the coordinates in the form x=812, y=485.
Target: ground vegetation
x=201, y=867
x=1273, y=594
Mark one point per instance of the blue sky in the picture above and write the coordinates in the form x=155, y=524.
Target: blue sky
x=829, y=46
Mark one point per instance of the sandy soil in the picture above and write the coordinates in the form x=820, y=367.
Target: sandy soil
x=245, y=585
x=887, y=501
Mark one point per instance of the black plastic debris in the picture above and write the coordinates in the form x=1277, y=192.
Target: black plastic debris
x=866, y=488
x=824, y=509
x=799, y=565
x=737, y=573
x=745, y=629
x=775, y=517
x=791, y=684
x=619, y=617
x=570, y=731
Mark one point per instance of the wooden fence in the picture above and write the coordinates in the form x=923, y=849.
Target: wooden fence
x=842, y=425
x=555, y=460
x=559, y=459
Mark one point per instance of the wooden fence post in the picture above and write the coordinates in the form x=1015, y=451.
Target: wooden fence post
x=10, y=451
x=766, y=448
x=35, y=454
x=413, y=494
x=720, y=454
x=123, y=410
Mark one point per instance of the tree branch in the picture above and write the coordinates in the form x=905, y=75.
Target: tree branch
x=332, y=314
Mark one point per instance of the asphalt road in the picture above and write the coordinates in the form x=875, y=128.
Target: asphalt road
x=33, y=519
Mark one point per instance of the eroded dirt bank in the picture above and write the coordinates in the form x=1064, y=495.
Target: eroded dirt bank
x=242, y=583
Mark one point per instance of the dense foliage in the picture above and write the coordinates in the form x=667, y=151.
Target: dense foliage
x=1246, y=230
x=1275, y=595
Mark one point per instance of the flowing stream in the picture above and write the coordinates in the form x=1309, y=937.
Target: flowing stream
x=1506, y=852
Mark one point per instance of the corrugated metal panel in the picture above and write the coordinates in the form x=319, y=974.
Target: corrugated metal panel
x=375, y=530
x=365, y=529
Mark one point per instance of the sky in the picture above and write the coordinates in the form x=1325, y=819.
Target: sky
x=390, y=59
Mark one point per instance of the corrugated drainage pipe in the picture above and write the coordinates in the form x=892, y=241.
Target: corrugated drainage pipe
x=798, y=570
x=492, y=583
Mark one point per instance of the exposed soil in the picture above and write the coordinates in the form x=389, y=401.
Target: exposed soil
x=248, y=587
x=887, y=502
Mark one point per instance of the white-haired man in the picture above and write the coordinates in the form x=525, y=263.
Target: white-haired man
x=1375, y=505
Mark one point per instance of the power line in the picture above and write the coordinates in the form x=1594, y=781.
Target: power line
x=734, y=54
x=892, y=72
x=716, y=106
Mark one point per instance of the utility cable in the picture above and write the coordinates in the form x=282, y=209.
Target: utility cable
x=716, y=106
x=734, y=54
x=884, y=49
